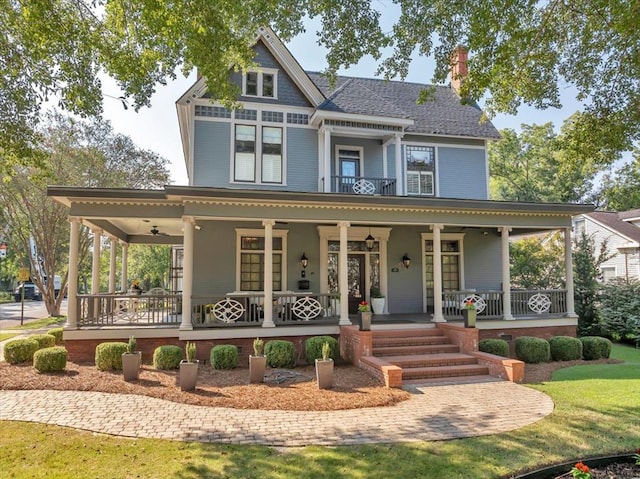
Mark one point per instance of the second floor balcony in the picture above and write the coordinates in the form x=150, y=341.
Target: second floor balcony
x=363, y=185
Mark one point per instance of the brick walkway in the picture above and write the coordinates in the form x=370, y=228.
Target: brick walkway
x=433, y=413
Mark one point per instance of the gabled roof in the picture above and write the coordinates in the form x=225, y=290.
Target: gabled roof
x=629, y=215
x=444, y=115
x=614, y=222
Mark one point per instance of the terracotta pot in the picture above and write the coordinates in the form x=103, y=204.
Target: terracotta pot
x=324, y=373
x=131, y=365
x=257, y=367
x=188, y=375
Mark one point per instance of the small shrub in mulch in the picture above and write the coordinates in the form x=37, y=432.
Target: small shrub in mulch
x=224, y=356
x=313, y=348
x=50, y=359
x=532, y=350
x=20, y=350
x=167, y=356
x=109, y=356
x=499, y=347
x=595, y=347
x=565, y=348
x=280, y=354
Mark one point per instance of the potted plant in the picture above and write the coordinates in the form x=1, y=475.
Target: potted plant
x=135, y=287
x=324, y=368
x=365, y=316
x=257, y=362
x=131, y=360
x=189, y=368
x=469, y=314
x=377, y=300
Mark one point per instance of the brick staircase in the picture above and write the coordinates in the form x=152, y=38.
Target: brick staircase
x=425, y=356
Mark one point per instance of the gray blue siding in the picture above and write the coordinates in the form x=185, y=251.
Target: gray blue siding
x=302, y=159
x=462, y=173
x=212, y=154
x=372, y=154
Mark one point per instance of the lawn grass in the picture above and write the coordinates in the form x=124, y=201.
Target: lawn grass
x=596, y=413
x=5, y=336
x=42, y=323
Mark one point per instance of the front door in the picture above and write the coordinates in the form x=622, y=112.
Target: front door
x=356, y=281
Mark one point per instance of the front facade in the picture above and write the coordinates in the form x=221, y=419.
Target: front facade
x=311, y=198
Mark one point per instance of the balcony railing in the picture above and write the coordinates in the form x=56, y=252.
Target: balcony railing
x=360, y=185
x=129, y=309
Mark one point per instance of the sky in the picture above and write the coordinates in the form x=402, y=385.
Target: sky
x=156, y=128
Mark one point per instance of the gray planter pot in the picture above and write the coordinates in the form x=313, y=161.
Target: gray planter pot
x=188, y=375
x=469, y=316
x=324, y=373
x=365, y=321
x=257, y=368
x=131, y=365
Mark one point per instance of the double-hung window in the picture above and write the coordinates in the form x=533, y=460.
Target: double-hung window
x=420, y=170
x=262, y=84
x=251, y=259
x=267, y=147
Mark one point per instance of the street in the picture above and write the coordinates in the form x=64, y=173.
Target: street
x=10, y=312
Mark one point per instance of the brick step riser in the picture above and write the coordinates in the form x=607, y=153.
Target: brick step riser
x=408, y=333
x=380, y=343
x=412, y=375
x=434, y=364
x=410, y=350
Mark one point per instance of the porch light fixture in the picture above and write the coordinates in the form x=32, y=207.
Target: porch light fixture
x=304, y=261
x=406, y=261
x=369, y=241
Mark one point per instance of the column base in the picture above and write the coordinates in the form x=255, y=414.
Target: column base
x=270, y=324
x=508, y=317
x=438, y=319
x=70, y=326
x=185, y=327
x=344, y=322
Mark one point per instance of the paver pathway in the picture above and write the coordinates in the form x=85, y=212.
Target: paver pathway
x=433, y=413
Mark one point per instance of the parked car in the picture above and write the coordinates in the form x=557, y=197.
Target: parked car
x=31, y=291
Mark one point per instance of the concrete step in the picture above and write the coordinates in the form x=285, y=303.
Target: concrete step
x=444, y=371
x=384, y=351
x=431, y=360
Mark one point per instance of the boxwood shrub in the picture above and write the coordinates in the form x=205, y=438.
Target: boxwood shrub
x=167, y=356
x=50, y=359
x=313, y=348
x=595, y=347
x=224, y=356
x=109, y=356
x=499, y=347
x=44, y=340
x=56, y=333
x=532, y=350
x=565, y=348
x=280, y=354
x=20, y=350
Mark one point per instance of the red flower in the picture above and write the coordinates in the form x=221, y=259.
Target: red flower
x=582, y=467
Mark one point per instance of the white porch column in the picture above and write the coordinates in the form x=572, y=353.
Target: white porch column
x=438, y=317
x=343, y=276
x=268, y=274
x=187, y=274
x=72, y=286
x=327, y=160
x=383, y=273
x=568, y=266
x=95, y=265
x=506, y=274
x=124, y=281
x=112, y=265
x=399, y=182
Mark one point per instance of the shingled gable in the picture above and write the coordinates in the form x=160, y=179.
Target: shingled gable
x=615, y=222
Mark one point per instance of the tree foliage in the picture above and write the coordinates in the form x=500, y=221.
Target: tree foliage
x=78, y=153
x=621, y=309
x=150, y=265
x=621, y=189
x=521, y=53
x=537, y=263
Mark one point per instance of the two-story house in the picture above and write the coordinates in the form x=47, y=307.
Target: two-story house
x=311, y=198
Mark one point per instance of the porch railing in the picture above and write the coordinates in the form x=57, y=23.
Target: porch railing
x=524, y=304
x=129, y=309
x=360, y=185
x=237, y=310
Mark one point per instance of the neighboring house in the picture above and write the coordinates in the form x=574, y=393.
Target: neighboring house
x=621, y=232
x=307, y=199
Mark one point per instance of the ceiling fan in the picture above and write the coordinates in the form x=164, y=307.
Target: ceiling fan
x=155, y=231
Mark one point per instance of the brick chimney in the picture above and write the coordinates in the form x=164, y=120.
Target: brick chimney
x=458, y=67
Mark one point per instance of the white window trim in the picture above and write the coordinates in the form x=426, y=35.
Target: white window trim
x=258, y=166
x=436, y=183
x=261, y=72
x=614, y=268
x=423, y=252
x=336, y=156
x=277, y=233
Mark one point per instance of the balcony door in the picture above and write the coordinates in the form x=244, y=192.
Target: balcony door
x=349, y=161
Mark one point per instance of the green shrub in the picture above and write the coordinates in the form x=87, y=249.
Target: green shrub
x=167, y=357
x=56, y=333
x=313, y=348
x=224, y=356
x=20, y=350
x=50, y=359
x=565, y=348
x=109, y=356
x=280, y=354
x=532, y=350
x=44, y=340
x=620, y=309
x=595, y=347
x=499, y=347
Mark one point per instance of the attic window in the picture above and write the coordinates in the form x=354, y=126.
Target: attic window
x=262, y=84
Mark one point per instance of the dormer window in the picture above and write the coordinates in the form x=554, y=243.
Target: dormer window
x=263, y=84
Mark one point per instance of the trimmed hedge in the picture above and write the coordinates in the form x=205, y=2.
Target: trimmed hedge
x=50, y=359
x=499, y=347
x=595, y=347
x=44, y=340
x=20, y=350
x=565, y=348
x=56, y=333
x=313, y=348
x=109, y=356
x=167, y=356
x=224, y=356
x=532, y=350
x=280, y=354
